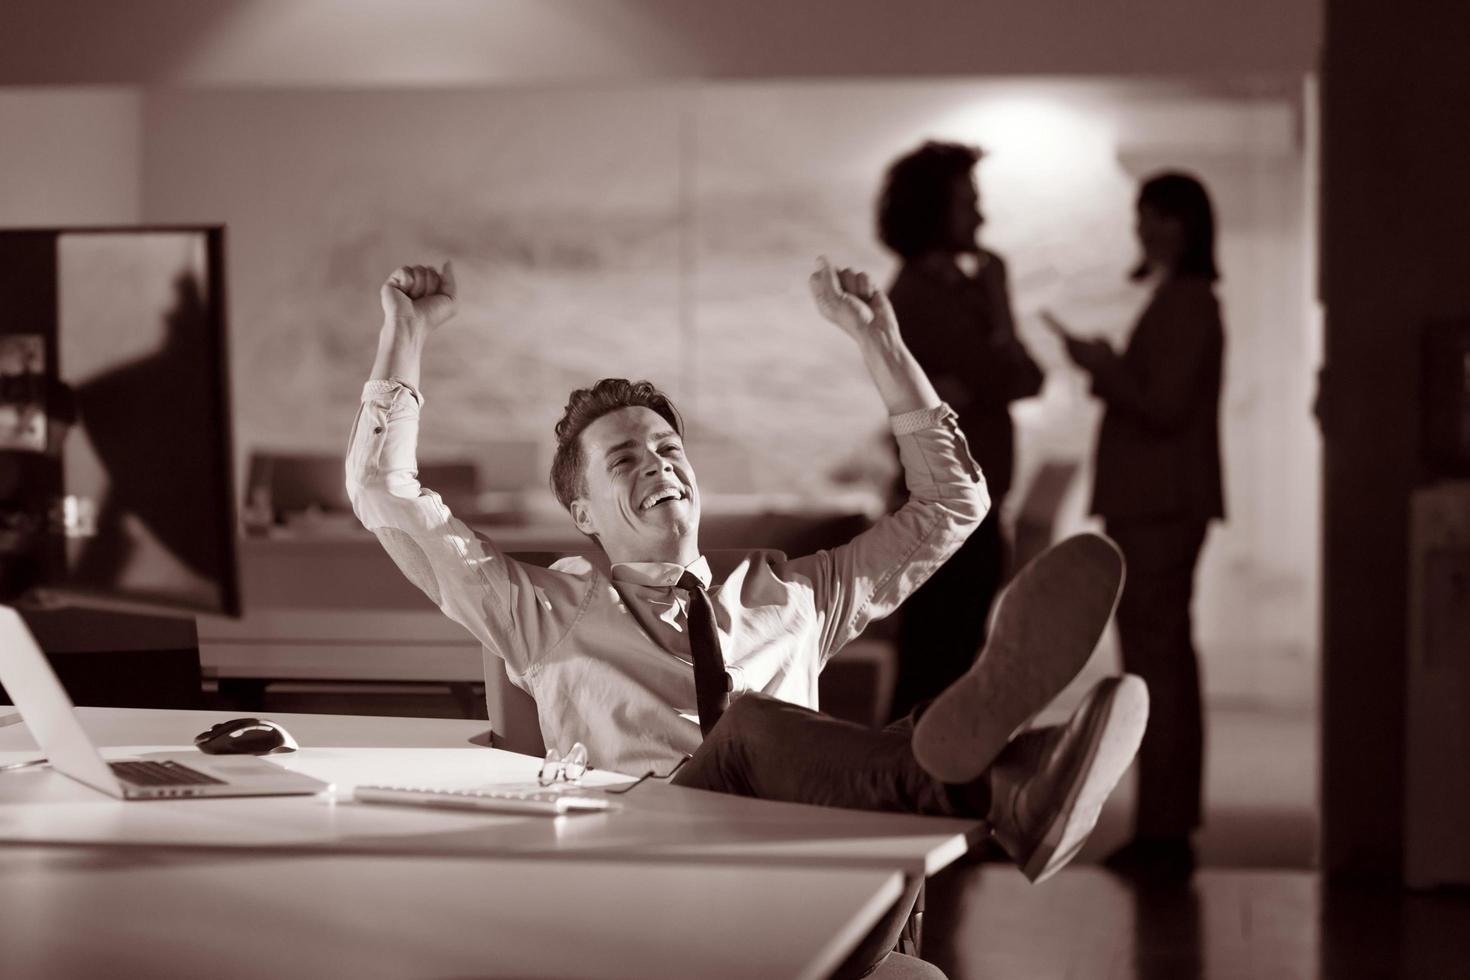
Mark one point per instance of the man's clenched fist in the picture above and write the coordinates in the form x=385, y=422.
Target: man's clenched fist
x=420, y=294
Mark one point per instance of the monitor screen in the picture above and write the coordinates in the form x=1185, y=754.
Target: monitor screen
x=115, y=457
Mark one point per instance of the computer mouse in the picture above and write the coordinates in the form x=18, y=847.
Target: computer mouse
x=245, y=736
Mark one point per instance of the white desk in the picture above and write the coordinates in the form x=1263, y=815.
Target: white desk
x=656, y=822
x=324, y=885
x=100, y=912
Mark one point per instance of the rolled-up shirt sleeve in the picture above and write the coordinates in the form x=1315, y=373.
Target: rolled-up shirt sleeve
x=517, y=611
x=868, y=577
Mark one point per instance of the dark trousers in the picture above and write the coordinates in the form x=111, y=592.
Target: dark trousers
x=1156, y=633
x=773, y=750
x=942, y=625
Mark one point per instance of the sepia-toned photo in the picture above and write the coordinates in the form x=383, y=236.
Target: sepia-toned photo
x=723, y=489
x=22, y=392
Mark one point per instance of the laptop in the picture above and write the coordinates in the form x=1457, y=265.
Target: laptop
x=49, y=714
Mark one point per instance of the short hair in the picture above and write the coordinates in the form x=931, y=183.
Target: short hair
x=1181, y=196
x=913, y=208
x=587, y=405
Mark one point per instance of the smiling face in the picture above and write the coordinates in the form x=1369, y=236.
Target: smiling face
x=638, y=496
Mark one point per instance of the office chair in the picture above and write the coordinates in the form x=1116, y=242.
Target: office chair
x=902, y=966
x=517, y=728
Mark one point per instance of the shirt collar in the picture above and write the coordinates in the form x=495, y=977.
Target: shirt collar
x=660, y=574
x=946, y=268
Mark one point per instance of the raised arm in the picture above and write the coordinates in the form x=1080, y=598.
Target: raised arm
x=417, y=300
x=850, y=300
x=868, y=577
x=515, y=610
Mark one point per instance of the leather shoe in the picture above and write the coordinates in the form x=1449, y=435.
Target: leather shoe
x=1046, y=625
x=1049, y=785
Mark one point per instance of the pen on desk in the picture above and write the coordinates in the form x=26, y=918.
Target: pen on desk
x=29, y=764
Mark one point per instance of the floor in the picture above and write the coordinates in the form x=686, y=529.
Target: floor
x=1256, y=910
x=1261, y=774
x=985, y=922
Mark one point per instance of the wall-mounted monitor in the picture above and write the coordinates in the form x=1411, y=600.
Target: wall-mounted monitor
x=115, y=455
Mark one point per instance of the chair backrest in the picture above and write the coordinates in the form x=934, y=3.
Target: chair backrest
x=1036, y=517
x=294, y=482
x=512, y=711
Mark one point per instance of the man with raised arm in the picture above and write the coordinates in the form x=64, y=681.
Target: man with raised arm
x=635, y=652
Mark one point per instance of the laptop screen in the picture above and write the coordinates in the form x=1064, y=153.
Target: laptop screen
x=48, y=713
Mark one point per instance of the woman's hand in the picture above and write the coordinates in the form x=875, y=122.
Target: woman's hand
x=1089, y=355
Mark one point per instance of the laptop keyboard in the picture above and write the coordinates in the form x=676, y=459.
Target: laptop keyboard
x=161, y=774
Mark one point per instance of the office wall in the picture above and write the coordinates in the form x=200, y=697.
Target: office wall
x=1396, y=216
x=559, y=208
x=70, y=156
x=667, y=232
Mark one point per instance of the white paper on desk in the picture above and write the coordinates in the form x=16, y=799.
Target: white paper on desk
x=471, y=767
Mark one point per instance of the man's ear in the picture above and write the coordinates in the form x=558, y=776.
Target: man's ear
x=582, y=516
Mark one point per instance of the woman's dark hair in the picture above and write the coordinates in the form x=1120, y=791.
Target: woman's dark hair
x=1182, y=197
x=587, y=405
x=913, y=208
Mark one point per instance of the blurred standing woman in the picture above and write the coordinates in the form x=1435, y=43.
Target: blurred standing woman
x=952, y=298
x=1157, y=487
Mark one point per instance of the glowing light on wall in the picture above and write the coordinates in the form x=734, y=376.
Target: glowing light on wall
x=1033, y=133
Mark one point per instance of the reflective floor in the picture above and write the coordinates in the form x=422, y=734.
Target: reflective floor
x=1256, y=910
x=1260, y=794
x=986, y=922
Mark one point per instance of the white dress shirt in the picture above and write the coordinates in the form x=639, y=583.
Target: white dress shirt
x=603, y=648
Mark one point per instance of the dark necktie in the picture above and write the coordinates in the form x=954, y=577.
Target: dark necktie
x=711, y=684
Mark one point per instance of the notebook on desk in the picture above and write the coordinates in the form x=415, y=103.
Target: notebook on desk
x=51, y=717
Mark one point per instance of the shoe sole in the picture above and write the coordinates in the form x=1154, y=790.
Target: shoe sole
x=969, y=724
x=1112, y=747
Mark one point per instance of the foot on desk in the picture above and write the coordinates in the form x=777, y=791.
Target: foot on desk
x=1047, y=622
x=1049, y=785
